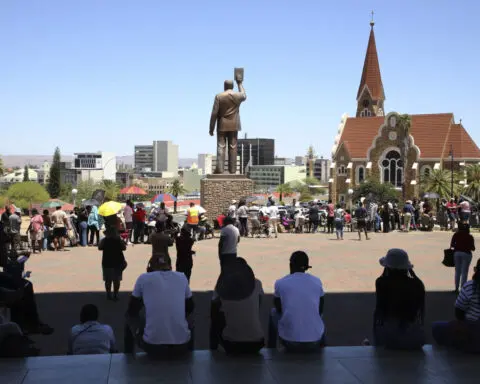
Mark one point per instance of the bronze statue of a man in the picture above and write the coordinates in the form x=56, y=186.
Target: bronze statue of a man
x=226, y=113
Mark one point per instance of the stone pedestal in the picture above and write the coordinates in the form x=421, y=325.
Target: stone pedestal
x=218, y=191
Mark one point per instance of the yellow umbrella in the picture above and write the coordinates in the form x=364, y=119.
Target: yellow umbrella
x=109, y=208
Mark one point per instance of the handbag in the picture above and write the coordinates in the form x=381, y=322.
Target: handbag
x=448, y=260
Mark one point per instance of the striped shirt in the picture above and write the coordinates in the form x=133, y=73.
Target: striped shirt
x=469, y=301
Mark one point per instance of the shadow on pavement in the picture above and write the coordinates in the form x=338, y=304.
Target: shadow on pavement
x=348, y=316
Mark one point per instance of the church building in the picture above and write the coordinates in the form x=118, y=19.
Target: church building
x=375, y=145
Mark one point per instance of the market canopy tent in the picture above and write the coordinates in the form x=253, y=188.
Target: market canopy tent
x=133, y=190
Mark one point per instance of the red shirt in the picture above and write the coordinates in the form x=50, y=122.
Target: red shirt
x=347, y=217
x=139, y=215
x=220, y=219
x=331, y=210
x=452, y=207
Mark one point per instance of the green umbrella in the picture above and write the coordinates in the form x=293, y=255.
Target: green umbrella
x=52, y=204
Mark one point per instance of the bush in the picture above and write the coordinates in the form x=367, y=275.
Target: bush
x=26, y=193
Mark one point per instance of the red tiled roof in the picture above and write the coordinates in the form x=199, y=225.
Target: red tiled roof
x=431, y=133
x=371, y=71
x=463, y=145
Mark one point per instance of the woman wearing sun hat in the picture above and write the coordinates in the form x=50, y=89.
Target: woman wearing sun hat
x=400, y=304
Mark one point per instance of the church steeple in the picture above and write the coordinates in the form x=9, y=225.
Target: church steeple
x=370, y=95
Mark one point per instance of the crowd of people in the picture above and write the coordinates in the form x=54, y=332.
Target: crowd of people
x=160, y=313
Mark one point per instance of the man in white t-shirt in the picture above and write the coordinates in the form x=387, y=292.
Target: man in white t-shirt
x=168, y=302
x=229, y=239
x=273, y=215
x=232, y=210
x=297, y=317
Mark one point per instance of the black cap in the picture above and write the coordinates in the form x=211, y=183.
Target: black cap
x=300, y=259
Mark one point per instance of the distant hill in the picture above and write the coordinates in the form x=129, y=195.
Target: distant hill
x=11, y=161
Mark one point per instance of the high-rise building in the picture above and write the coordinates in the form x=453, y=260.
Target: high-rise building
x=161, y=156
x=268, y=177
x=299, y=160
x=225, y=167
x=260, y=151
x=143, y=157
x=165, y=156
x=205, y=162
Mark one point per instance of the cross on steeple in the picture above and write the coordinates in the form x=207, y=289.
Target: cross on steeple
x=372, y=23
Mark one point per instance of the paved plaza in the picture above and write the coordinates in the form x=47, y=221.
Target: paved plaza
x=64, y=281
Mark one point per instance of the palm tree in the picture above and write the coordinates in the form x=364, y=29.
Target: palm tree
x=439, y=181
x=111, y=188
x=473, y=182
x=405, y=123
x=176, y=189
x=284, y=189
x=310, y=158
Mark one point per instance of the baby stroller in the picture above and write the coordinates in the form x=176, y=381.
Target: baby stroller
x=205, y=229
x=288, y=224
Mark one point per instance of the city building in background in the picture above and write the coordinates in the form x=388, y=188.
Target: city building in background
x=300, y=160
x=161, y=156
x=283, y=161
x=205, y=162
x=321, y=169
x=68, y=174
x=191, y=178
x=43, y=173
x=259, y=151
x=153, y=184
x=268, y=177
x=95, y=166
x=18, y=175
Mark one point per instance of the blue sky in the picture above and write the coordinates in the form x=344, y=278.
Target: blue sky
x=90, y=75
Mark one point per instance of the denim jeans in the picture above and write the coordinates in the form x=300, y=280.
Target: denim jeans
x=462, y=264
x=339, y=228
x=46, y=235
x=83, y=233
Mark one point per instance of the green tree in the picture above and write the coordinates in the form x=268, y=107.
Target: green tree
x=111, y=188
x=305, y=194
x=284, y=190
x=473, y=182
x=85, y=189
x=66, y=192
x=54, y=185
x=2, y=167
x=176, y=189
x=375, y=190
x=440, y=181
x=26, y=193
x=26, y=176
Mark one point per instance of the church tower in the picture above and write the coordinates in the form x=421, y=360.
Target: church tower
x=370, y=95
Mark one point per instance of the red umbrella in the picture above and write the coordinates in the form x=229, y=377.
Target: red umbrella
x=133, y=190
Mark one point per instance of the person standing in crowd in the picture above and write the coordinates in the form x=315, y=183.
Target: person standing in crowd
x=128, y=216
x=400, y=306
x=229, y=239
x=193, y=216
x=82, y=226
x=6, y=218
x=298, y=300
x=162, y=213
x=386, y=217
x=184, y=244
x=113, y=261
x=242, y=213
x=94, y=226
x=273, y=216
x=408, y=212
x=36, y=230
x=15, y=223
x=361, y=216
x=47, y=229
x=339, y=221
x=91, y=337
x=235, y=310
x=139, y=217
x=160, y=240
x=164, y=330
x=313, y=217
x=464, y=211
x=330, y=216
x=452, y=213
x=232, y=211
x=464, y=332
x=462, y=244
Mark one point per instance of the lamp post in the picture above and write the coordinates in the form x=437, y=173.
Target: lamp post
x=451, y=171
x=350, y=194
x=74, y=195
